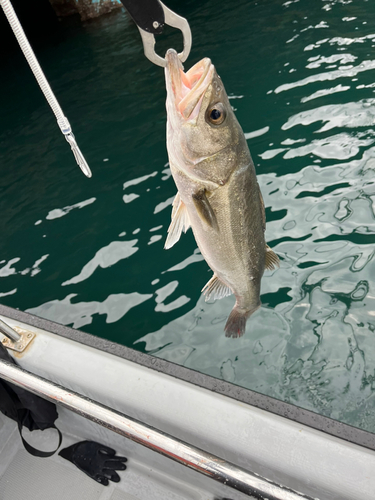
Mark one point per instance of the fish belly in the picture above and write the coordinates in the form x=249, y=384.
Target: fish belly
x=235, y=250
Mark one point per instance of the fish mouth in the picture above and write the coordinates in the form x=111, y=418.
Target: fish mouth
x=187, y=89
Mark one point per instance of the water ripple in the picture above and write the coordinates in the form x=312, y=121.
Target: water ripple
x=60, y=212
x=105, y=257
x=348, y=115
x=342, y=72
x=79, y=314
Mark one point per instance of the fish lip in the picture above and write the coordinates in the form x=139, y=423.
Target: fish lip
x=187, y=101
x=172, y=72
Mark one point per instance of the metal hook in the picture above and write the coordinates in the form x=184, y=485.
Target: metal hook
x=176, y=21
x=66, y=129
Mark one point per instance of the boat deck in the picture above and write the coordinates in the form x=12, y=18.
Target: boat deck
x=159, y=394
x=25, y=476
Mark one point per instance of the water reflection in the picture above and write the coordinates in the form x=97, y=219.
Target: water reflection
x=105, y=257
x=324, y=92
x=79, y=314
x=8, y=270
x=349, y=115
x=60, y=212
x=165, y=292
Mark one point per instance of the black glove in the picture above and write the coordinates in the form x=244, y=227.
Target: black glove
x=96, y=460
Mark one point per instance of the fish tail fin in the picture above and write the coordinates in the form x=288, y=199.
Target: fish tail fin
x=236, y=324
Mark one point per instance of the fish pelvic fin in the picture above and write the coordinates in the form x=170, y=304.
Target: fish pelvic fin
x=272, y=260
x=236, y=324
x=180, y=222
x=204, y=209
x=216, y=289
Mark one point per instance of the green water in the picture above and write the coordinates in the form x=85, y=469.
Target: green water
x=89, y=253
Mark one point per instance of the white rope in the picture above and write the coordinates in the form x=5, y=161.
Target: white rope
x=62, y=120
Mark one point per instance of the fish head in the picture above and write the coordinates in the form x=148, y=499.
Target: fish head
x=201, y=122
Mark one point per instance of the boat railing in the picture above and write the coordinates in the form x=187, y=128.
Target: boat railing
x=9, y=332
x=15, y=340
x=190, y=456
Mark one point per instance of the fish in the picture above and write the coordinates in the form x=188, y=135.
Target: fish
x=218, y=194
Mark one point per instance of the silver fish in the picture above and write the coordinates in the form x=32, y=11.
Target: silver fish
x=218, y=193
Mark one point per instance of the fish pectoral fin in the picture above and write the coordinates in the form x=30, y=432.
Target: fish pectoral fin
x=175, y=204
x=216, y=289
x=204, y=209
x=180, y=222
x=272, y=260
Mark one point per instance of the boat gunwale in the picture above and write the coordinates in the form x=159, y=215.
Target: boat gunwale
x=289, y=411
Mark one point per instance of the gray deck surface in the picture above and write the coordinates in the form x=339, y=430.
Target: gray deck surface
x=23, y=476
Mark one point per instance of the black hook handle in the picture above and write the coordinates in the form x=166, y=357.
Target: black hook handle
x=147, y=14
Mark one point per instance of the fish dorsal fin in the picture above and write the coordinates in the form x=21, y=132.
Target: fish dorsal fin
x=272, y=260
x=180, y=222
x=204, y=209
x=216, y=289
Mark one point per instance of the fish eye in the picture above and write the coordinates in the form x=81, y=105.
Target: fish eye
x=216, y=114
